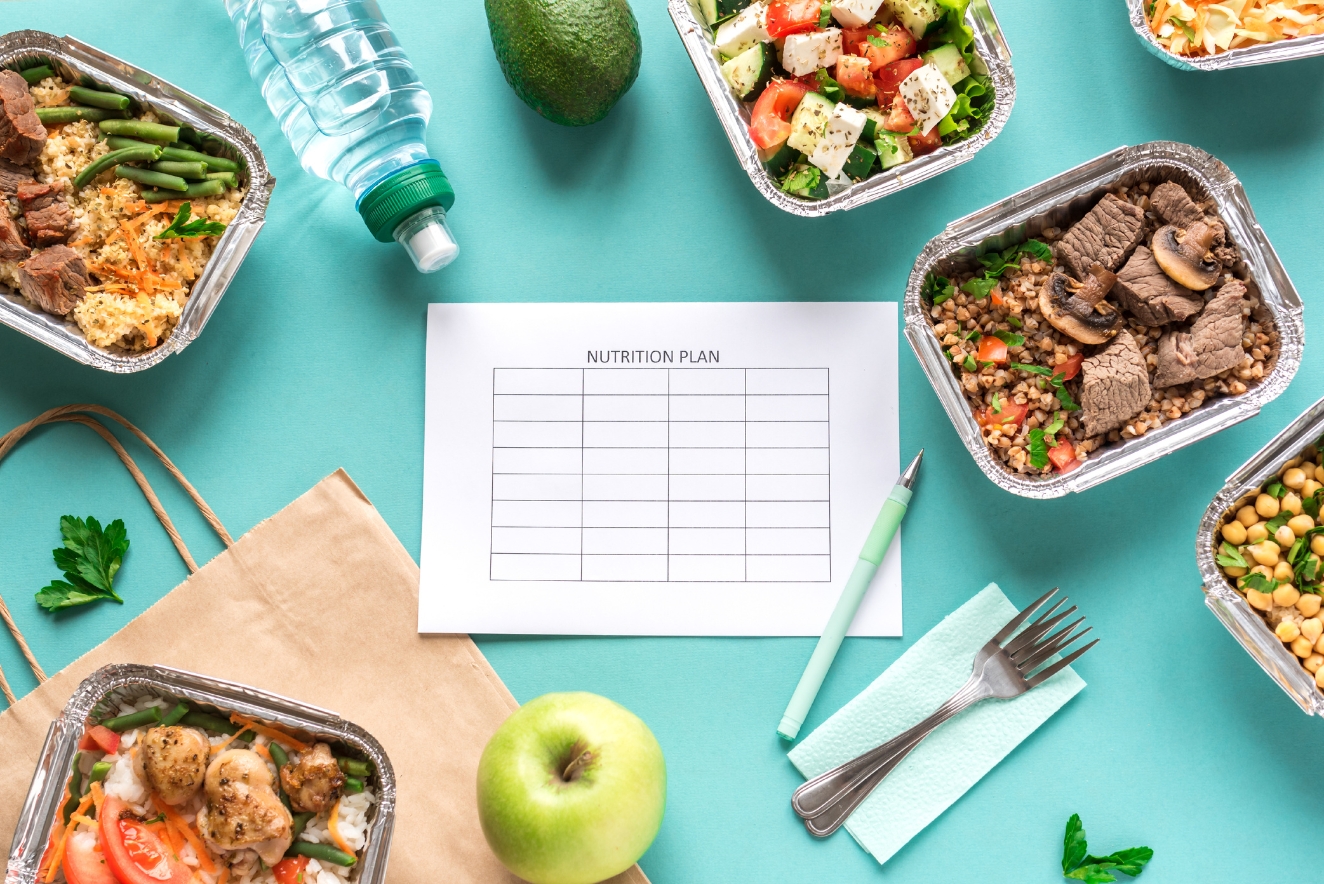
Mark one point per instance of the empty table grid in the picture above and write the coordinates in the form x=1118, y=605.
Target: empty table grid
x=661, y=474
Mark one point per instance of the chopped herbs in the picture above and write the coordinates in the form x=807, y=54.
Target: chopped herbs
x=1277, y=522
x=90, y=558
x=830, y=88
x=998, y=263
x=1079, y=865
x=1228, y=557
x=183, y=228
x=1275, y=489
x=1056, y=426
x=1258, y=582
x=1015, y=322
x=1063, y=396
x=1033, y=369
x=979, y=288
x=937, y=289
x=825, y=14
x=969, y=363
x=1011, y=339
x=1038, y=449
x=997, y=404
x=801, y=180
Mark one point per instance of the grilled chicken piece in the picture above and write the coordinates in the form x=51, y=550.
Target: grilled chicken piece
x=173, y=760
x=243, y=810
x=313, y=782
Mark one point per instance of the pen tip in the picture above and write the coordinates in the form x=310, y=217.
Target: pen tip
x=907, y=479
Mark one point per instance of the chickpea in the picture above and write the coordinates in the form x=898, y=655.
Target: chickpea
x=1287, y=632
x=1299, y=524
x=1286, y=596
x=1263, y=569
x=1234, y=533
x=1313, y=662
x=1234, y=571
x=1319, y=679
x=1319, y=645
x=1262, y=601
x=1319, y=473
x=1309, y=489
x=1302, y=647
x=1282, y=572
x=1317, y=544
x=1312, y=628
x=1308, y=604
x=1267, y=506
x=1247, y=515
x=1257, y=532
x=1285, y=536
x=1265, y=552
x=1294, y=478
x=1291, y=503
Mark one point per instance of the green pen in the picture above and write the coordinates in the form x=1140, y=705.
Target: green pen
x=880, y=538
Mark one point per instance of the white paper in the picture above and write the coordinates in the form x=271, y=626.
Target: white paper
x=656, y=469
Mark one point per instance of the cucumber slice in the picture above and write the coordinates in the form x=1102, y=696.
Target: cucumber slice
x=893, y=149
x=915, y=15
x=749, y=71
x=874, y=123
x=809, y=122
x=947, y=59
x=778, y=159
x=730, y=7
x=860, y=162
x=708, y=9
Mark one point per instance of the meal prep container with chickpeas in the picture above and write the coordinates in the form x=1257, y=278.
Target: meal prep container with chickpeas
x=1249, y=626
x=122, y=682
x=78, y=62
x=990, y=46
x=1242, y=57
x=1059, y=202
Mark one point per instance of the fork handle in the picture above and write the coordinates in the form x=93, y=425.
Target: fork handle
x=835, y=814
x=819, y=794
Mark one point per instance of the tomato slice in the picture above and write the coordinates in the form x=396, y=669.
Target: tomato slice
x=1011, y=413
x=770, y=121
x=100, y=737
x=900, y=119
x=889, y=78
x=1070, y=368
x=992, y=349
x=133, y=853
x=853, y=74
x=83, y=862
x=923, y=144
x=898, y=44
x=851, y=38
x=1063, y=456
x=792, y=17
x=290, y=870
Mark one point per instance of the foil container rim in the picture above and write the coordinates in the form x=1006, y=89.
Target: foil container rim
x=1281, y=299
x=1246, y=56
x=992, y=50
x=159, y=94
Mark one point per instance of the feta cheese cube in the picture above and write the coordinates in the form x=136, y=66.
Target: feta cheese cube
x=928, y=95
x=805, y=53
x=855, y=13
x=843, y=130
x=749, y=27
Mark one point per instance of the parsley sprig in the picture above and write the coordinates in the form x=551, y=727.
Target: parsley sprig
x=1078, y=864
x=90, y=558
x=937, y=289
x=183, y=228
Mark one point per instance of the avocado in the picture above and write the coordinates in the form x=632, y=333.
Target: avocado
x=569, y=60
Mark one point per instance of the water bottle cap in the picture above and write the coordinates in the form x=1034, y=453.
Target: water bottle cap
x=405, y=193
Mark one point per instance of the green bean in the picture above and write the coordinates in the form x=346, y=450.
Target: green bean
x=118, y=142
x=99, y=771
x=157, y=132
x=174, y=715
x=144, y=154
x=152, y=179
x=229, y=179
x=37, y=74
x=322, y=853
x=202, y=719
x=97, y=98
x=210, y=187
x=54, y=116
x=189, y=135
x=192, y=171
x=300, y=823
x=151, y=715
x=354, y=767
x=353, y=785
x=278, y=754
x=214, y=164
x=75, y=788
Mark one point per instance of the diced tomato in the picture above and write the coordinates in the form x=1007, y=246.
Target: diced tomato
x=102, y=738
x=83, y=862
x=924, y=144
x=993, y=350
x=769, y=123
x=853, y=75
x=1011, y=413
x=899, y=119
x=792, y=17
x=851, y=38
x=996, y=296
x=899, y=44
x=1070, y=368
x=1063, y=456
x=889, y=78
x=134, y=854
x=290, y=870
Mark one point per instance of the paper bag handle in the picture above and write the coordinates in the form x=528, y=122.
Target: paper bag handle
x=79, y=414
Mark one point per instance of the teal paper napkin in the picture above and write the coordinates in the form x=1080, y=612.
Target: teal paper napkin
x=955, y=756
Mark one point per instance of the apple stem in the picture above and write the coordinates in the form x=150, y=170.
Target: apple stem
x=582, y=758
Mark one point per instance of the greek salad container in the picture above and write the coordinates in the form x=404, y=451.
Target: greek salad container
x=990, y=50
x=1059, y=202
x=1228, y=605
x=1243, y=57
x=124, y=682
x=76, y=61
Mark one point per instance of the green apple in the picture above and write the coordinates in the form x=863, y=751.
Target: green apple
x=571, y=789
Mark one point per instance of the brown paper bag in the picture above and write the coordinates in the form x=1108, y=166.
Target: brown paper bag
x=326, y=599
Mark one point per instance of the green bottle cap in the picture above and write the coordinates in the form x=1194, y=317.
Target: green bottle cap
x=403, y=195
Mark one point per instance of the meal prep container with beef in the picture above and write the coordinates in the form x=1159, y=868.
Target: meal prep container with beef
x=98, y=696
x=990, y=48
x=76, y=62
x=1247, y=625
x=1059, y=203
x=1246, y=56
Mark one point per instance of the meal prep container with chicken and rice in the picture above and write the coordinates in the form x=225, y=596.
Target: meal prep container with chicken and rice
x=1058, y=203
x=110, y=689
x=990, y=48
x=1231, y=608
x=76, y=62
x=1242, y=57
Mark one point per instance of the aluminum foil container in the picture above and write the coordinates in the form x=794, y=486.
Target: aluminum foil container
x=991, y=48
x=1246, y=56
x=1059, y=202
x=46, y=794
x=1220, y=597
x=76, y=61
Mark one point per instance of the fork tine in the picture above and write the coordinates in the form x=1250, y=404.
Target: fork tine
x=1018, y=654
x=1015, y=622
x=1046, y=650
x=1058, y=666
x=1036, y=631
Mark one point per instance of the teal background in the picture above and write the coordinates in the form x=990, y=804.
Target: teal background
x=314, y=361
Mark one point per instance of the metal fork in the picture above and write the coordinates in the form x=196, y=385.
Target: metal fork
x=1003, y=668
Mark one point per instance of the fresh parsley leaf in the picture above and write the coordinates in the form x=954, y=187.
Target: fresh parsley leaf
x=1063, y=396
x=1038, y=250
x=1131, y=861
x=1258, y=582
x=997, y=404
x=801, y=180
x=979, y=288
x=970, y=363
x=59, y=595
x=880, y=42
x=1033, y=369
x=1094, y=873
x=1011, y=339
x=183, y=228
x=1310, y=505
x=1275, y=489
x=973, y=335
x=1056, y=426
x=1015, y=322
x=1074, y=847
x=90, y=559
x=1079, y=865
x=1038, y=449
x=937, y=289
x=830, y=88
x=1228, y=557
x=825, y=14
x=1277, y=522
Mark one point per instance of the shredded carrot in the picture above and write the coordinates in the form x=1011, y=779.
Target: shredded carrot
x=83, y=820
x=333, y=827
x=223, y=743
x=136, y=248
x=175, y=820
x=278, y=735
x=224, y=876
x=152, y=210
x=57, y=861
x=263, y=751
x=98, y=796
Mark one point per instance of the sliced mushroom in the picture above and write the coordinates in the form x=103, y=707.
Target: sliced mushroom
x=1077, y=309
x=1184, y=255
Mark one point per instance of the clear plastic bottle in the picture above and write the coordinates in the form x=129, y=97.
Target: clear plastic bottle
x=354, y=111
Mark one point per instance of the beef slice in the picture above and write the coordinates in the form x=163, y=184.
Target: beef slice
x=1106, y=234
x=22, y=135
x=54, y=279
x=12, y=175
x=49, y=218
x=1212, y=346
x=1151, y=295
x=1114, y=385
x=12, y=247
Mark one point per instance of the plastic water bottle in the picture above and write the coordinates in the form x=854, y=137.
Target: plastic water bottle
x=354, y=111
